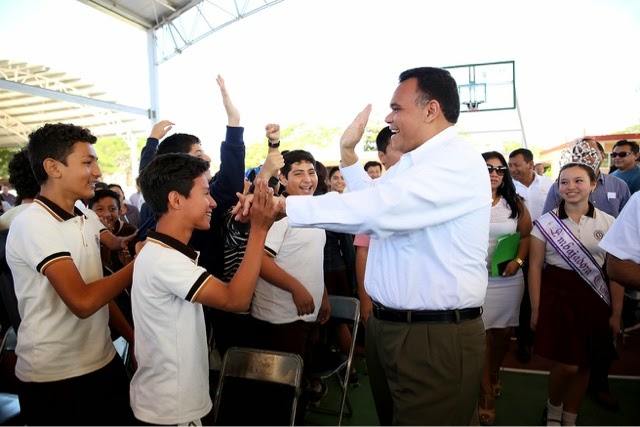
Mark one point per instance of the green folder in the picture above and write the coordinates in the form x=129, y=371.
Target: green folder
x=505, y=251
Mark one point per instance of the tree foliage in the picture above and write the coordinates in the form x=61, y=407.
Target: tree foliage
x=5, y=157
x=296, y=137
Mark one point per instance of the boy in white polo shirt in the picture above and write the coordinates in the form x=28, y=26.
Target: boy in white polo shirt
x=67, y=366
x=171, y=385
x=290, y=299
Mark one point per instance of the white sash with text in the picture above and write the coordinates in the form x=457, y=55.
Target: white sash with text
x=574, y=253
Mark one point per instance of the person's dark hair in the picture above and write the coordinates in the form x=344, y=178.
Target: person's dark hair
x=21, y=176
x=167, y=173
x=372, y=163
x=116, y=185
x=507, y=190
x=101, y=186
x=54, y=141
x=321, y=172
x=101, y=194
x=295, y=156
x=177, y=143
x=383, y=139
x=527, y=155
x=436, y=84
x=632, y=144
x=333, y=170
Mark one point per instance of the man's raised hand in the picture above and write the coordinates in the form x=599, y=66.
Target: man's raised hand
x=352, y=135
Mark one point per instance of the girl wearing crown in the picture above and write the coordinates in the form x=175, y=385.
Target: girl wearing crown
x=574, y=307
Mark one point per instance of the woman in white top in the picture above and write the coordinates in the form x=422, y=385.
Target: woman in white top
x=573, y=307
x=501, y=307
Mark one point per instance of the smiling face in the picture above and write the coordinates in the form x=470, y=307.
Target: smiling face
x=81, y=172
x=301, y=179
x=199, y=205
x=624, y=163
x=108, y=211
x=575, y=185
x=407, y=119
x=337, y=182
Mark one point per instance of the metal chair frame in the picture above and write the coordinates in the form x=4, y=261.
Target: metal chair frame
x=342, y=308
x=262, y=365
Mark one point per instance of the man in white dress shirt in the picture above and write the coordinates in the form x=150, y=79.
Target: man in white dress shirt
x=623, y=247
x=426, y=271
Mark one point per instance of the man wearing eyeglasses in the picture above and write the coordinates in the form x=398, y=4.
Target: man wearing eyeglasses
x=624, y=156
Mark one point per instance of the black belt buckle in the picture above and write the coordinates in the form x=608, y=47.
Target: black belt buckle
x=426, y=316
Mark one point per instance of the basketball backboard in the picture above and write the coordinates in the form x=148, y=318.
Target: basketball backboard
x=485, y=87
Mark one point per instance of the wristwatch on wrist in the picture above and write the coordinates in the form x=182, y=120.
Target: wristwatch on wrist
x=519, y=261
x=273, y=144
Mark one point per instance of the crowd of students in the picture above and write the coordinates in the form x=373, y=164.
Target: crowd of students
x=221, y=257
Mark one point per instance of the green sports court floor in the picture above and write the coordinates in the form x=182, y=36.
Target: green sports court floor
x=524, y=393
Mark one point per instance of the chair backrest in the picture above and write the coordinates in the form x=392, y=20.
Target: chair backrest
x=247, y=374
x=345, y=308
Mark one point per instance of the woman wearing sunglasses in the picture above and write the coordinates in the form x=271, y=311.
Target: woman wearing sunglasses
x=504, y=293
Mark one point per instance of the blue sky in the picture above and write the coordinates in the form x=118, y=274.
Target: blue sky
x=321, y=61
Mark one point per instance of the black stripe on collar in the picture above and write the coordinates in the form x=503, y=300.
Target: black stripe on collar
x=57, y=211
x=174, y=243
x=562, y=214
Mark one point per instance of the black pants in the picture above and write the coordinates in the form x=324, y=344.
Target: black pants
x=97, y=398
x=524, y=334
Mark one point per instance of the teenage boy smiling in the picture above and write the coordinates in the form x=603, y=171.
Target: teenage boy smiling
x=67, y=366
x=171, y=385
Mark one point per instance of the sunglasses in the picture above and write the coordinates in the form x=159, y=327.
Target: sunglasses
x=500, y=170
x=621, y=154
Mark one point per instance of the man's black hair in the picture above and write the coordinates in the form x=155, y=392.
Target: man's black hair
x=295, y=156
x=436, y=84
x=21, y=176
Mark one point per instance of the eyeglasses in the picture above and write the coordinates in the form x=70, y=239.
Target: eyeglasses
x=500, y=170
x=621, y=154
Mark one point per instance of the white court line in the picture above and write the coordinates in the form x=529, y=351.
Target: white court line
x=533, y=371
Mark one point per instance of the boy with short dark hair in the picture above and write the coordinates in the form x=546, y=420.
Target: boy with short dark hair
x=67, y=366
x=171, y=385
x=290, y=298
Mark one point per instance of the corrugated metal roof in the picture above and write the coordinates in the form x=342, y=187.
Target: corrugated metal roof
x=32, y=95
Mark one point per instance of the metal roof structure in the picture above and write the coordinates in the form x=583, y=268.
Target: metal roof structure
x=32, y=94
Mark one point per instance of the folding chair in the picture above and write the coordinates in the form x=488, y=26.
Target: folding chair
x=248, y=374
x=343, y=309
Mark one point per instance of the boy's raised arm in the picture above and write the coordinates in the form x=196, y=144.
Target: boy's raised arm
x=237, y=295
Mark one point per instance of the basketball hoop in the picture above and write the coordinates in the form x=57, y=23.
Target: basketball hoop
x=473, y=106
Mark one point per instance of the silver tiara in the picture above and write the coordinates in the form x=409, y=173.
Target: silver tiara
x=581, y=153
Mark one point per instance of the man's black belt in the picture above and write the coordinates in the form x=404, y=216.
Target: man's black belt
x=424, y=316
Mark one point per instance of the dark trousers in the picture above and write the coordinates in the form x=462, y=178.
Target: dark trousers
x=524, y=334
x=97, y=398
x=425, y=373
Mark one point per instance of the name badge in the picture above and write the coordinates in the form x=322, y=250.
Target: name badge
x=611, y=195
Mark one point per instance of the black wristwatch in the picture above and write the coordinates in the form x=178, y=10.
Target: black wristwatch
x=272, y=145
